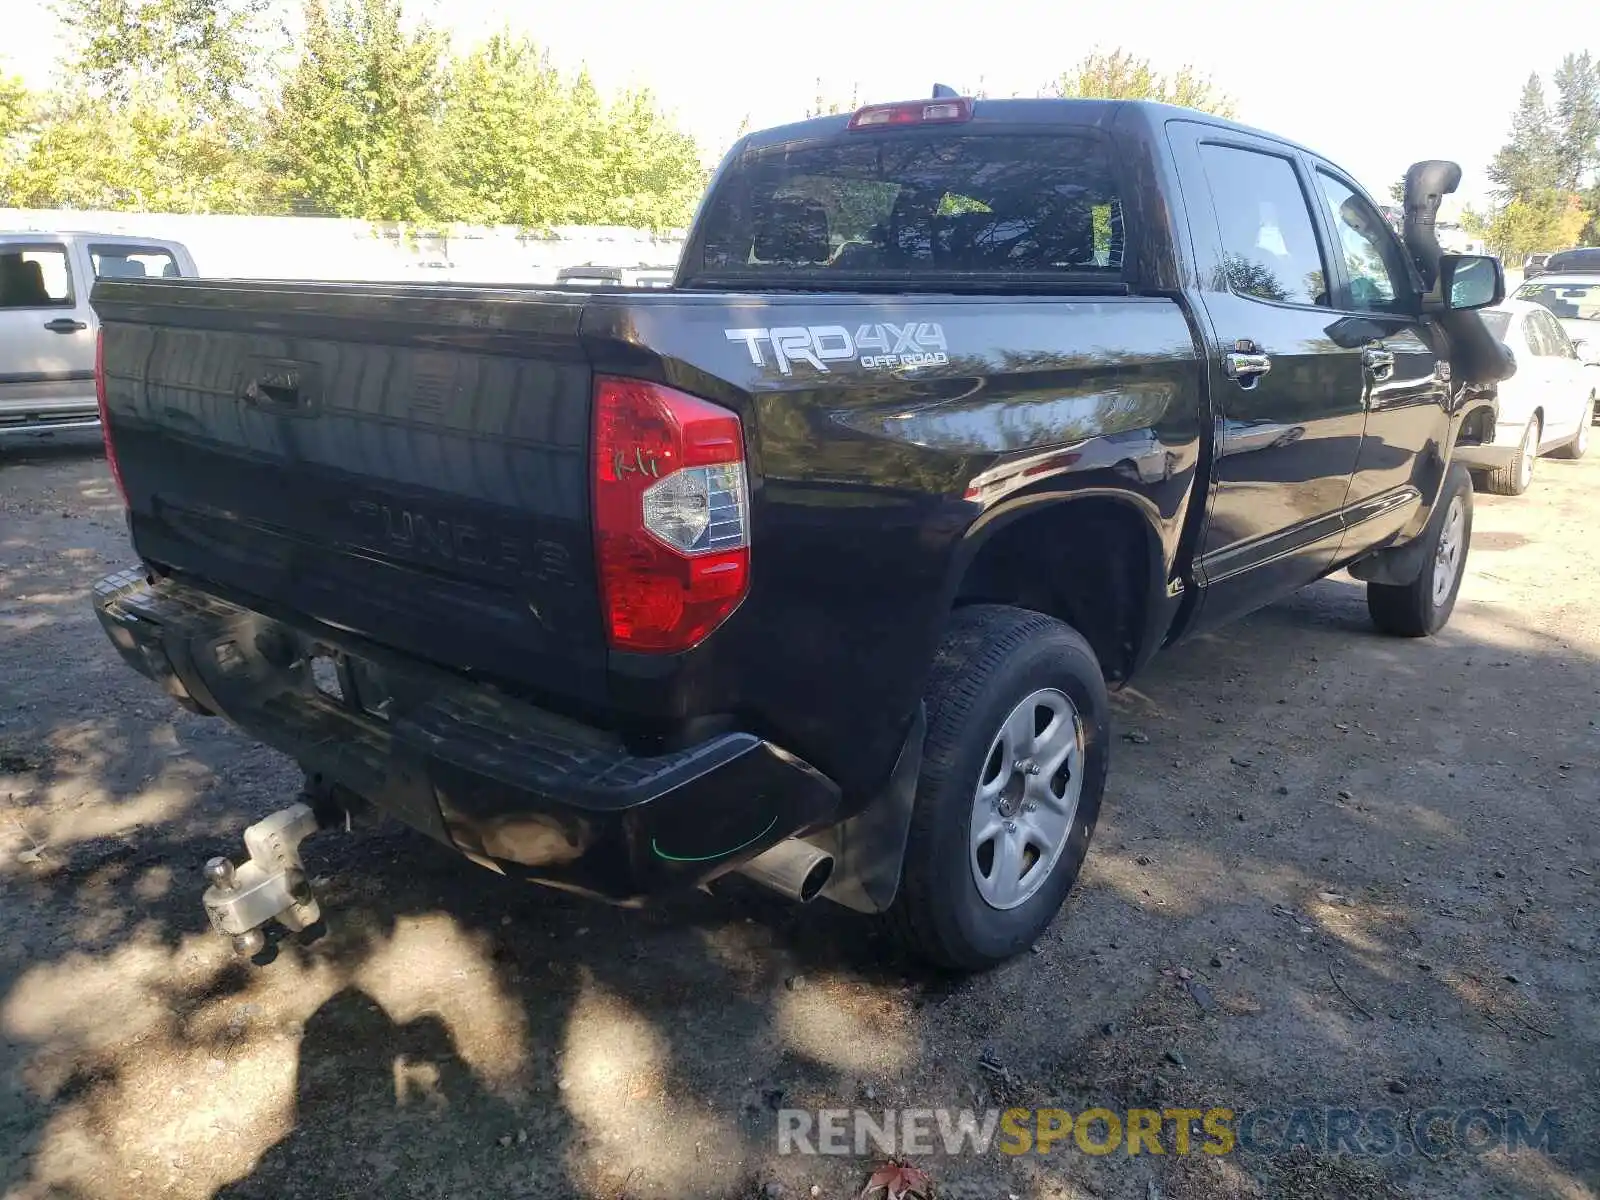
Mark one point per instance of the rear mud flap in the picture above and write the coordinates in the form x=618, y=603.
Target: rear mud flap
x=870, y=847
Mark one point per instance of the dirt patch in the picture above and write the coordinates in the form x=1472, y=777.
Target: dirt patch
x=1335, y=872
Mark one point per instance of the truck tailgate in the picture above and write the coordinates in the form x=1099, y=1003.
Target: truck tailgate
x=405, y=463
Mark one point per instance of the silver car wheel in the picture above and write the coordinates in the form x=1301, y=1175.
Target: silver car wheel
x=1451, y=549
x=1026, y=799
x=1529, y=452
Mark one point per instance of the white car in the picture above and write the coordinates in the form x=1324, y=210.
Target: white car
x=1574, y=301
x=1546, y=407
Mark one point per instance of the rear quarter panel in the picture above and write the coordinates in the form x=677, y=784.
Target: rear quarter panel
x=871, y=483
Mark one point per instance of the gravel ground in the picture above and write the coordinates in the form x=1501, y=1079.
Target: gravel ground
x=1333, y=869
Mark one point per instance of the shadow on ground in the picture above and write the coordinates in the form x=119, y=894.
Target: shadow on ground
x=1374, y=858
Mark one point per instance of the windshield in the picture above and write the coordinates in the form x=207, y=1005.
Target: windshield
x=1568, y=301
x=1498, y=323
x=916, y=204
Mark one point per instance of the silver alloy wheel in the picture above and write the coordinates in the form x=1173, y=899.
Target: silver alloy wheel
x=1026, y=799
x=1530, y=451
x=1447, y=558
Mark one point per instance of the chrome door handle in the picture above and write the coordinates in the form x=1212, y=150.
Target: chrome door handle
x=1379, y=361
x=1245, y=369
x=65, y=325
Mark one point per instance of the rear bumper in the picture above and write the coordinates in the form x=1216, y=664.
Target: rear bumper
x=509, y=785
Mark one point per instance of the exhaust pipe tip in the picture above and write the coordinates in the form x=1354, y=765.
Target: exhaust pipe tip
x=792, y=868
x=815, y=879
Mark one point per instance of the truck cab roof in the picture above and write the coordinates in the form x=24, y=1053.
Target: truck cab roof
x=1032, y=112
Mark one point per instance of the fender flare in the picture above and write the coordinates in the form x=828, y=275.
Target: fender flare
x=1161, y=604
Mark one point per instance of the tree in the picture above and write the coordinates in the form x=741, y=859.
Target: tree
x=354, y=129
x=652, y=176
x=1118, y=75
x=154, y=110
x=1527, y=163
x=505, y=115
x=1543, y=221
x=1577, y=120
x=17, y=108
x=205, y=52
x=146, y=154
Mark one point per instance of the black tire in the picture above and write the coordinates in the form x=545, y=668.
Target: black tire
x=992, y=659
x=1412, y=610
x=1579, y=445
x=1513, y=478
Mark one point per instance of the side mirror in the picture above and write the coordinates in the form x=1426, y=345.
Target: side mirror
x=1470, y=281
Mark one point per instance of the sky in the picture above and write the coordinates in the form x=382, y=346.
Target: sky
x=1371, y=84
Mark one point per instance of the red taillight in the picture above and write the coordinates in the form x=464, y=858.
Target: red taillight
x=671, y=514
x=105, y=413
x=912, y=112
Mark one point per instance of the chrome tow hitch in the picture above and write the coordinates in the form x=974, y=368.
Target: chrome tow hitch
x=269, y=885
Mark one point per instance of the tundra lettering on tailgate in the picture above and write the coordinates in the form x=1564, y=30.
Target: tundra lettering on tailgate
x=914, y=344
x=452, y=540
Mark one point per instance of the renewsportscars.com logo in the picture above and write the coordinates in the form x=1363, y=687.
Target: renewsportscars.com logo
x=914, y=344
x=1368, y=1133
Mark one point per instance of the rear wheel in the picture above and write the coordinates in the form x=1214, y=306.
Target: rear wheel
x=1579, y=445
x=1424, y=605
x=1013, y=769
x=1513, y=478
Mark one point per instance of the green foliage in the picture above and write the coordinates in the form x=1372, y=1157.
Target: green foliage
x=1525, y=224
x=1119, y=75
x=1527, y=163
x=206, y=52
x=1541, y=173
x=17, y=113
x=195, y=106
x=145, y=154
x=505, y=112
x=354, y=130
x=1577, y=120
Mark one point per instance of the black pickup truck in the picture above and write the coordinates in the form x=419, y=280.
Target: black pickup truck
x=815, y=566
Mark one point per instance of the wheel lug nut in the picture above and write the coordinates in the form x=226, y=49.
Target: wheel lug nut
x=1033, y=768
x=1011, y=826
x=1030, y=806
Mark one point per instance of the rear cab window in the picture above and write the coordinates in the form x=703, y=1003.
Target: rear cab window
x=1269, y=241
x=132, y=262
x=916, y=206
x=35, y=276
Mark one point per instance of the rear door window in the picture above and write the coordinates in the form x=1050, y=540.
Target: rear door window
x=132, y=262
x=1555, y=338
x=1268, y=240
x=35, y=277
x=917, y=204
x=1533, y=334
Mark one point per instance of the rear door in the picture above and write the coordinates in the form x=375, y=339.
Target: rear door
x=1567, y=394
x=1405, y=384
x=1289, y=397
x=46, y=334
